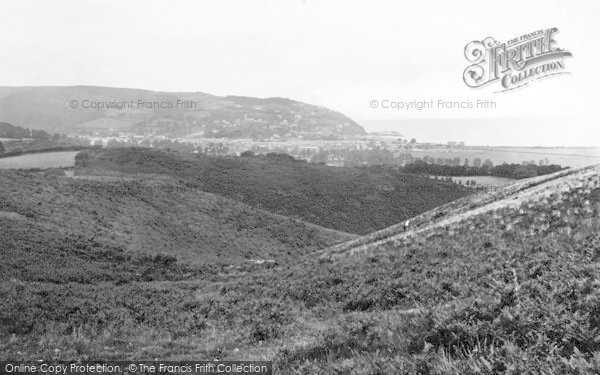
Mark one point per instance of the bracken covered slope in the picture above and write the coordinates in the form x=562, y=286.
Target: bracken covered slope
x=461, y=209
x=499, y=283
x=77, y=229
x=354, y=200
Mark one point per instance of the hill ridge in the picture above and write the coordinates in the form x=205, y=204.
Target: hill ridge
x=109, y=111
x=462, y=209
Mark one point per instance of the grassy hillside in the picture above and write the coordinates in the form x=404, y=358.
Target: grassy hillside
x=355, y=200
x=57, y=229
x=503, y=283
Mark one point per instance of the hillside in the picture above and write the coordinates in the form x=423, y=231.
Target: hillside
x=91, y=110
x=354, y=200
x=62, y=229
x=440, y=218
x=501, y=283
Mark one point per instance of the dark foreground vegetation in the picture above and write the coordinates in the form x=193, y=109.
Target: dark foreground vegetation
x=511, y=290
x=354, y=200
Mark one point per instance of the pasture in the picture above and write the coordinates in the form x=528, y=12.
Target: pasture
x=567, y=157
x=40, y=160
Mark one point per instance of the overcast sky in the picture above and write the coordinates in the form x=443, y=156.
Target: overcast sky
x=339, y=54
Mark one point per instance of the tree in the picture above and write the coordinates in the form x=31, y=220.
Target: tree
x=488, y=163
x=524, y=172
x=39, y=134
x=113, y=143
x=466, y=162
x=1, y=148
x=477, y=162
x=82, y=158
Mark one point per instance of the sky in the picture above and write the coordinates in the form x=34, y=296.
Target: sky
x=339, y=54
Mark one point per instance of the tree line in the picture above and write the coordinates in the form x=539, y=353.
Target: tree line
x=487, y=168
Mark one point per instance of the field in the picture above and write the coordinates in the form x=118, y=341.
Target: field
x=566, y=157
x=40, y=160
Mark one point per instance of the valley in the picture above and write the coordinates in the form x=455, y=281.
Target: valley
x=345, y=199
x=468, y=286
x=377, y=253
x=299, y=188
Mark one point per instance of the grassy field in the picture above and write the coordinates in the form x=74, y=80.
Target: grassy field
x=575, y=157
x=354, y=200
x=497, y=283
x=40, y=160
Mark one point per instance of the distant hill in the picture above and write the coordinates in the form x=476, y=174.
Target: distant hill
x=75, y=110
x=354, y=200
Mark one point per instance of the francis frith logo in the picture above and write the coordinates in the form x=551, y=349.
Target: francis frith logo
x=515, y=63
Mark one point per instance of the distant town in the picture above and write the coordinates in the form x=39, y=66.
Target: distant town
x=377, y=148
